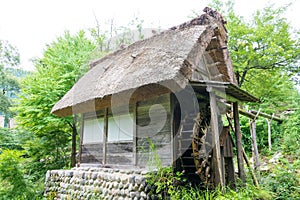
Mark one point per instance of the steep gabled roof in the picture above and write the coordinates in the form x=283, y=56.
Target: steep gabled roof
x=173, y=55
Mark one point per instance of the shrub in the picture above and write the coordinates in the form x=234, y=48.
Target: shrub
x=284, y=180
x=291, y=134
x=13, y=184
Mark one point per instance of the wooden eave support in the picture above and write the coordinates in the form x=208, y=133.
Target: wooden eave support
x=238, y=136
x=217, y=163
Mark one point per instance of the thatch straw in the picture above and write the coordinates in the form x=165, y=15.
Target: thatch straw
x=173, y=55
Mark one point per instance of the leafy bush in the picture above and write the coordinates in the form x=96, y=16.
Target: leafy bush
x=284, y=180
x=291, y=136
x=13, y=184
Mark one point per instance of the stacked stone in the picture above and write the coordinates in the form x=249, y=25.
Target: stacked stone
x=97, y=183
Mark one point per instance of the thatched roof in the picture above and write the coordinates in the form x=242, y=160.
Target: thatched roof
x=195, y=50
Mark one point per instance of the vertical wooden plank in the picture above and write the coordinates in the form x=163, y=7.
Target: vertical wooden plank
x=238, y=136
x=269, y=134
x=105, y=135
x=215, y=139
x=254, y=144
x=135, y=134
x=230, y=172
x=81, y=138
x=222, y=165
x=173, y=134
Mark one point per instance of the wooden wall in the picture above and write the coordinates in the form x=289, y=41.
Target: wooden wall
x=153, y=133
x=138, y=151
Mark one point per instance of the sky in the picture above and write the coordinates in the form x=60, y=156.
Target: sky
x=31, y=24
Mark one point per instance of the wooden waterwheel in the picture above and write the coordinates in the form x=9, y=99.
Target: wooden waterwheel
x=195, y=148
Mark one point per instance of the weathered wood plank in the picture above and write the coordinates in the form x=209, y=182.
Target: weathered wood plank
x=154, y=134
x=119, y=147
x=238, y=135
x=92, y=153
x=219, y=176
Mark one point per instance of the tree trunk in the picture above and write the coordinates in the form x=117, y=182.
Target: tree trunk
x=74, y=134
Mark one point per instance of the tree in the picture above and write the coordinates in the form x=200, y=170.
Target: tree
x=264, y=51
x=9, y=58
x=265, y=42
x=63, y=62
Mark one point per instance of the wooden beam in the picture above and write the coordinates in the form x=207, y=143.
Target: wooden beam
x=238, y=136
x=217, y=162
x=223, y=95
x=252, y=114
x=272, y=117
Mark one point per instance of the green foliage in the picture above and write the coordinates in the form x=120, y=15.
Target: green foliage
x=283, y=180
x=9, y=139
x=48, y=137
x=262, y=43
x=164, y=182
x=248, y=192
x=264, y=51
x=169, y=185
x=291, y=134
x=9, y=57
x=13, y=184
x=126, y=34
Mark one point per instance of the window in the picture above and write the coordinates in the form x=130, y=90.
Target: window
x=120, y=128
x=93, y=130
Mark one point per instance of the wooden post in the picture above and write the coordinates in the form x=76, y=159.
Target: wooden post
x=215, y=139
x=269, y=133
x=81, y=138
x=238, y=136
x=105, y=135
x=254, y=145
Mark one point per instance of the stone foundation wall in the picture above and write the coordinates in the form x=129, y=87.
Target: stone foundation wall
x=97, y=183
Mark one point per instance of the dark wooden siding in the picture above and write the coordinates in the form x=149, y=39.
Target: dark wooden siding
x=92, y=153
x=119, y=153
x=154, y=132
